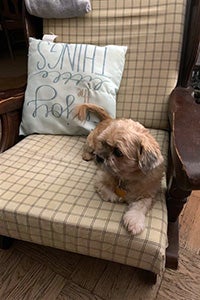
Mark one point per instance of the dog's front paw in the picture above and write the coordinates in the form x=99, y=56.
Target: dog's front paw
x=87, y=156
x=134, y=221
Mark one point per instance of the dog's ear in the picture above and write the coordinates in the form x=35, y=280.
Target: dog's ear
x=149, y=155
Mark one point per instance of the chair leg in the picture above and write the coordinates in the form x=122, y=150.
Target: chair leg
x=150, y=277
x=172, y=250
x=5, y=242
x=176, y=199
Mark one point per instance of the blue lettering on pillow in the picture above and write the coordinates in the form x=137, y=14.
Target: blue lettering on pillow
x=56, y=109
x=83, y=65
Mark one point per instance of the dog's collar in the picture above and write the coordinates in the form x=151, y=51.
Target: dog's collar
x=120, y=190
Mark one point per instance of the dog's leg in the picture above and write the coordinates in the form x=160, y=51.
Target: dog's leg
x=134, y=218
x=106, y=193
x=105, y=186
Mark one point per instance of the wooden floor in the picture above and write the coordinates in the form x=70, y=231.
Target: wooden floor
x=29, y=271
x=190, y=223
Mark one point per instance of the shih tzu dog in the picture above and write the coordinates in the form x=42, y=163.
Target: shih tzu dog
x=130, y=161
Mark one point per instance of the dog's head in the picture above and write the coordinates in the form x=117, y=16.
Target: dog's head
x=126, y=147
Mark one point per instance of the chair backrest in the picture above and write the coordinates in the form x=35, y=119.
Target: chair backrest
x=153, y=31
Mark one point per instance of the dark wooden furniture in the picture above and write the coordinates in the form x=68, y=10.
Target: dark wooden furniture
x=11, y=21
x=14, y=18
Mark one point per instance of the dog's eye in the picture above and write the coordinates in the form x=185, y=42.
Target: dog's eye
x=117, y=152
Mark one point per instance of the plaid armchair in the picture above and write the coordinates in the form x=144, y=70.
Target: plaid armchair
x=46, y=189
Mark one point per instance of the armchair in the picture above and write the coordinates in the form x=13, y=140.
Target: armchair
x=46, y=191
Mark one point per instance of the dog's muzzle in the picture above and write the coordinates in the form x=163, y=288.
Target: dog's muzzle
x=99, y=159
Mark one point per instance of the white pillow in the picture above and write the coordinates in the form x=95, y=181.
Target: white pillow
x=62, y=75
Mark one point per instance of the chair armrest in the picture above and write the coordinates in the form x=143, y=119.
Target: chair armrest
x=184, y=115
x=11, y=103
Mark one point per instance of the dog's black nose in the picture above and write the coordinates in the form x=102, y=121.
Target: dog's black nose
x=99, y=159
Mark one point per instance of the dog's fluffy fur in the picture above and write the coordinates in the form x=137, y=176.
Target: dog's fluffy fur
x=130, y=161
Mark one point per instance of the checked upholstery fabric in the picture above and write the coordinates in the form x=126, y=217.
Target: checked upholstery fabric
x=153, y=32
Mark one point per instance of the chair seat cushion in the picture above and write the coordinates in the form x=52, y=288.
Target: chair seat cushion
x=47, y=196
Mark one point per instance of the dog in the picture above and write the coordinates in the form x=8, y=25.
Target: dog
x=130, y=163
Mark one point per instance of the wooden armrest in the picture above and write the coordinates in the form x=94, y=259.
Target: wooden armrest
x=11, y=100
x=184, y=114
x=11, y=104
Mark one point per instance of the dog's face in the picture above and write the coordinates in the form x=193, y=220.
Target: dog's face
x=125, y=147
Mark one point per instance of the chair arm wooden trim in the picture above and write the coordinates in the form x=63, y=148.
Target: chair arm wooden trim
x=10, y=114
x=11, y=103
x=184, y=115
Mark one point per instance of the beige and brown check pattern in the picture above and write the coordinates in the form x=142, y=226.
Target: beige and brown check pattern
x=153, y=32
x=47, y=196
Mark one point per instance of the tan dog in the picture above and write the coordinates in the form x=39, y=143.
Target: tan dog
x=130, y=161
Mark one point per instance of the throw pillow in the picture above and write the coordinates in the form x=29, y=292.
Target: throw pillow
x=62, y=75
